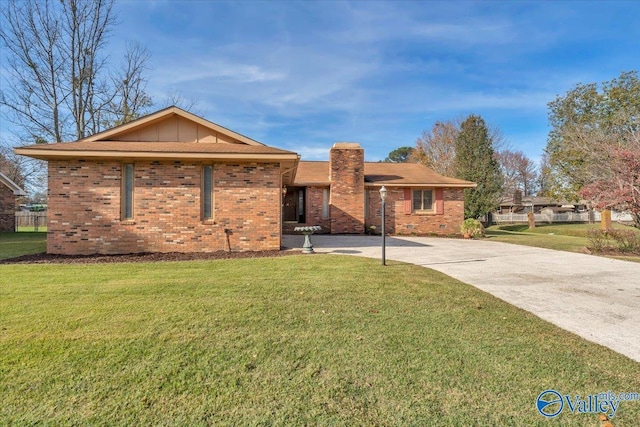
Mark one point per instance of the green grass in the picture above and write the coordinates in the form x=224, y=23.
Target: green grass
x=562, y=237
x=25, y=229
x=16, y=244
x=299, y=340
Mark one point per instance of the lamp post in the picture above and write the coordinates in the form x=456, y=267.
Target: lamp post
x=383, y=197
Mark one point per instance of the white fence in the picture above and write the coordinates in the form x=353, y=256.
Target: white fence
x=37, y=221
x=31, y=221
x=559, y=217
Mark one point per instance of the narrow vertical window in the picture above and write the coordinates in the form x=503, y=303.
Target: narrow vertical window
x=127, y=191
x=301, y=205
x=325, y=203
x=207, y=192
x=366, y=203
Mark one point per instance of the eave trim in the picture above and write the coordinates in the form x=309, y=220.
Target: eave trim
x=63, y=154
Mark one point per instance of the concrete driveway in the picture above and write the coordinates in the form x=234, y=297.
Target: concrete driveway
x=596, y=298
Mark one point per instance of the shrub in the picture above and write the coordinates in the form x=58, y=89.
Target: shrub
x=598, y=239
x=472, y=227
x=626, y=240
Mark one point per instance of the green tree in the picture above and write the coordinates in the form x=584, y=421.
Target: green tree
x=586, y=123
x=476, y=161
x=435, y=148
x=400, y=155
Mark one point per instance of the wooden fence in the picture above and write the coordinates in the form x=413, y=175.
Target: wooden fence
x=31, y=221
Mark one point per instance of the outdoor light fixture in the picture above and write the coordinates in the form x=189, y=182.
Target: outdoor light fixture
x=383, y=197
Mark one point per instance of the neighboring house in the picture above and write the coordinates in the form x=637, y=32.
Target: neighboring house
x=174, y=182
x=9, y=190
x=535, y=204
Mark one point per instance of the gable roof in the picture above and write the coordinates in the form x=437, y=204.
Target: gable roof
x=17, y=191
x=127, y=129
x=376, y=174
x=172, y=134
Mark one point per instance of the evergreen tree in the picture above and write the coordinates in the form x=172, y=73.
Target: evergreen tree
x=400, y=155
x=476, y=161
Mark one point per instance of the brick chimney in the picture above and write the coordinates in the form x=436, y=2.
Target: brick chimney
x=346, y=165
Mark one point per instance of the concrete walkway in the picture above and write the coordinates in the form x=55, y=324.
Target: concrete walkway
x=594, y=297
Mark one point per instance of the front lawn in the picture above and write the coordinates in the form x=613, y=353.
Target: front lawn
x=562, y=237
x=299, y=340
x=16, y=244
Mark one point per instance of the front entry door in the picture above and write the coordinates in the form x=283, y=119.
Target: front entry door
x=290, y=206
x=294, y=210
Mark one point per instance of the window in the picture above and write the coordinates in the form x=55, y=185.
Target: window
x=325, y=203
x=301, y=206
x=127, y=191
x=366, y=203
x=207, y=192
x=422, y=200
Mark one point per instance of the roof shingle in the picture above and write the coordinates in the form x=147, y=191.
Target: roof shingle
x=389, y=174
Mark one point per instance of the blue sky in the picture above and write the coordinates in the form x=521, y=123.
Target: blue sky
x=302, y=75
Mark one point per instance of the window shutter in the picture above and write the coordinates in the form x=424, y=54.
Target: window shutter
x=439, y=201
x=407, y=201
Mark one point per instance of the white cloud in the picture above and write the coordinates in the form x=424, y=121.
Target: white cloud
x=302, y=75
x=211, y=69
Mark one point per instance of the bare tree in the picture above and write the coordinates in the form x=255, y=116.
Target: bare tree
x=59, y=84
x=176, y=98
x=131, y=98
x=24, y=171
x=436, y=148
x=518, y=172
x=34, y=93
x=545, y=179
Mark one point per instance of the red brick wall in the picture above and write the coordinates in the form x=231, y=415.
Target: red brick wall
x=399, y=223
x=84, y=208
x=7, y=209
x=313, y=212
x=347, y=189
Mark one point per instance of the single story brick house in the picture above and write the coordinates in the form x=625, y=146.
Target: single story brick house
x=9, y=190
x=174, y=182
x=343, y=196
